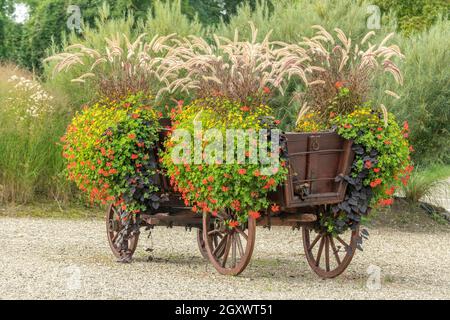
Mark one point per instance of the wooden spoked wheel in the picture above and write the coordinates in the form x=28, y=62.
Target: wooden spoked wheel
x=229, y=249
x=113, y=227
x=328, y=255
x=201, y=242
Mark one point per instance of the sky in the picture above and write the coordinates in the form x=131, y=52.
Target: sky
x=20, y=14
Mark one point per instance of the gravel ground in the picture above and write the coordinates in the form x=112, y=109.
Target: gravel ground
x=58, y=259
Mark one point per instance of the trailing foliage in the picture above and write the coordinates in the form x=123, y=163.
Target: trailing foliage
x=214, y=185
x=109, y=152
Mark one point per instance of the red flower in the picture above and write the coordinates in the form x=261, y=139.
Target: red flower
x=254, y=214
x=256, y=173
x=376, y=182
x=204, y=181
x=380, y=129
x=266, y=90
x=347, y=126
x=233, y=224
x=339, y=84
x=275, y=208
x=242, y=171
x=245, y=108
x=135, y=116
x=225, y=189
x=406, y=126
x=132, y=136
x=390, y=191
x=376, y=170
x=195, y=209
x=368, y=164
x=277, y=122
x=140, y=144
x=386, y=202
x=411, y=149
x=134, y=156
x=210, y=178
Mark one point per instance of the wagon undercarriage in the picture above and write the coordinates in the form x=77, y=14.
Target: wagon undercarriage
x=317, y=163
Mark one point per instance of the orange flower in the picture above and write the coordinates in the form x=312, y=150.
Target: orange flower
x=135, y=116
x=254, y=214
x=376, y=170
x=242, y=171
x=266, y=90
x=134, y=156
x=390, y=191
x=347, y=126
x=132, y=136
x=376, y=182
x=275, y=208
x=339, y=84
x=225, y=189
x=233, y=224
x=245, y=108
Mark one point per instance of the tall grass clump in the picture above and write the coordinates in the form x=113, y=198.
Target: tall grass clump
x=30, y=126
x=425, y=96
x=163, y=19
x=428, y=185
x=290, y=21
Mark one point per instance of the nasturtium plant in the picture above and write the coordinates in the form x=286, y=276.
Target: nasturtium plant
x=214, y=184
x=109, y=148
x=382, y=149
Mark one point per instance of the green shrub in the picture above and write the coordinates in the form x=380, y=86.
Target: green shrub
x=415, y=15
x=30, y=122
x=425, y=95
x=291, y=20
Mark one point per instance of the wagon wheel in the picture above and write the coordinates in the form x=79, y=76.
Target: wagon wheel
x=229, y=249
x=201, y=242
x=113, y=227
x=329, y=255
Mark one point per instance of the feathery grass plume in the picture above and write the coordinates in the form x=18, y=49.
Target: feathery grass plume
x=344, y=72
x=124, y=66
x=244, y=71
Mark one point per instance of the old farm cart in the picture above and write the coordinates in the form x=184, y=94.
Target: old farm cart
x=315, y=160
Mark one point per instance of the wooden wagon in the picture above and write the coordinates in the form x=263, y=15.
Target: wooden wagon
x=315, y=160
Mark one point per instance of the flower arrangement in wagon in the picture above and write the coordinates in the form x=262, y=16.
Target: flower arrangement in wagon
x=232, y=82
x=339, y=99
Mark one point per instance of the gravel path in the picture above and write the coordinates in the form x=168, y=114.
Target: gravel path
x=54, y=259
